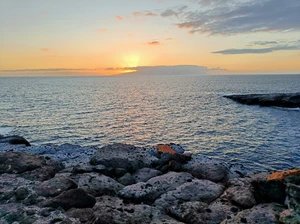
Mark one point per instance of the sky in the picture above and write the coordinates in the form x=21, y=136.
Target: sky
x=107, y=37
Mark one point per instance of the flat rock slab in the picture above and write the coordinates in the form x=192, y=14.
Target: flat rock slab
x=156, y=186
x=196, y=190
x=123, y=156
x=289, y=100
x=33, y=167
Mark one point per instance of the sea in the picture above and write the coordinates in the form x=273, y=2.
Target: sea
x=147, y=110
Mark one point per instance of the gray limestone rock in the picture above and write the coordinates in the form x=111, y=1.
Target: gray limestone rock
x=123, y=156
x=195, y=190
x=156, y=186
x=262, y=213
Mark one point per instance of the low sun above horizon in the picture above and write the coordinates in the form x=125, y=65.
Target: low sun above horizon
x=82, y=37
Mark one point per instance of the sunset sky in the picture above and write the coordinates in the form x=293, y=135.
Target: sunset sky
x=106, y=37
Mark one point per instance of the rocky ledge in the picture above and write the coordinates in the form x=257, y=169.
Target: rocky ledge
x=288, y=100
x=121, y=183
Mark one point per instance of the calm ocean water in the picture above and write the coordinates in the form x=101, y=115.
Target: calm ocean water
x=146, y=110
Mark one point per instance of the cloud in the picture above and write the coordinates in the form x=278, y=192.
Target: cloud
x=169, y=38
x=45, y=70
x=258, y=50
x=262, y=43
x=119, y=17
x=228, y=17
x=45, y=49
x=137, y=14
x=154, y=43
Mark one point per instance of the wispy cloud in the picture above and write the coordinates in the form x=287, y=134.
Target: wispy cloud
x=137, y=14
x=259, y=50
x=45, y=49
x=119, y=17
x=169, y=38
x=154, y=43
x=227, y=17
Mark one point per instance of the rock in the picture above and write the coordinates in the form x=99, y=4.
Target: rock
x=293, y=190
x=262, y=213
x=32, y=167
x=281, y=175
x=114, y=210
x=215, y=172
x=148, y=191
x=177, y=148
x=144, y=174
x=97, y=184
x=127, y=179
x=291, y=100
x=74, y=198
x=55, y=186
x=165, y=149
x=200, y=212
x=269, y=191
x=123, y=156
x=195, y=190
x=289, y=216
x=14, y=140
x=240, y=193
x=84, y=215
x=181, y=158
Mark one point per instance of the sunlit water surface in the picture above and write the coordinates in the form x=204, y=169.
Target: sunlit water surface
x=146, y=110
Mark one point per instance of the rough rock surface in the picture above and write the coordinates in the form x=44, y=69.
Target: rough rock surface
x=291, y=100
x=123, y=156
x=156, y=186
x=57, y=184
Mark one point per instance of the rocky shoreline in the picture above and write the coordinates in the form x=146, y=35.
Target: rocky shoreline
x=121, y=183
x=285, y=100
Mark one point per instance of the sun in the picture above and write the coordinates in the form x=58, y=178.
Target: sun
x=131, y=60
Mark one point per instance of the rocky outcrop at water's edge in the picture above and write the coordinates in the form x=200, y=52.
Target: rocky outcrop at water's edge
x=287, y=100
x=121, y=183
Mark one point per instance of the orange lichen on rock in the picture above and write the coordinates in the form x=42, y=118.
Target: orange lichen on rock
x=283, y=174
x=165, y=149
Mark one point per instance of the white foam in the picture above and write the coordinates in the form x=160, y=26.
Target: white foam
x=5, y=130
x=288, y=108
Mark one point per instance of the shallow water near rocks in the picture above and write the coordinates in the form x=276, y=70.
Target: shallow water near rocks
x=147, y=110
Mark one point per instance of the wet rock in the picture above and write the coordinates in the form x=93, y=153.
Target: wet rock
x=114, y=210
x=33, y=167
x=123, y=156
x=97, y=184
x=195, y=190
x=156, y=186
x=127, y=179
x=74, y=198
x=165, y=148
x=262, y=213
x=269, y=191
x=215, y=172
x=293, y=190
x=291, y=100
x=14, y=140
x=240, y=193
x=144, y=174
x=84, y=215
x=55, y=186
x=281, y=175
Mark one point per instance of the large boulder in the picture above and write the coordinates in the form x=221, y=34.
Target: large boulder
x=123, y=156
x=195, y=190
x=14, y=140
x=55, y=186
x=74, y=198
x=114, y=210
x=29, y=166
x=262, y=213
x=97, y=184
x=144, y=174
x=156, y=186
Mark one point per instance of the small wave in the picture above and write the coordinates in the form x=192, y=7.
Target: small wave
x=288, y=108
x=5, y=130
